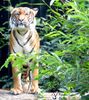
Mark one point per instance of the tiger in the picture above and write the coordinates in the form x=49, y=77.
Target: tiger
x=24, y=38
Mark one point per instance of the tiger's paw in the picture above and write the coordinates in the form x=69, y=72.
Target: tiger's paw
x=16, y=91
x=34, y=90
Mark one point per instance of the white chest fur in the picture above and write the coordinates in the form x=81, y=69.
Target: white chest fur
x=23, y=41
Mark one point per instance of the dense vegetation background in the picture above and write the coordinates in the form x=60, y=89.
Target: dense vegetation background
x=64, y=57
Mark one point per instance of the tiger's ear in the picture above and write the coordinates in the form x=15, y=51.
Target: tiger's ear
x=35, y=10
x=12, y=10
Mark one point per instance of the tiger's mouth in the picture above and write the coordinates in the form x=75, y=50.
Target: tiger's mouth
x=21, y=25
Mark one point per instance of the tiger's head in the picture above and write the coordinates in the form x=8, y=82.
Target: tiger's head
x=23, y=17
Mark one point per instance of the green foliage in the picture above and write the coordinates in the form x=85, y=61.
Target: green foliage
x=67, y=36
x=19, y=59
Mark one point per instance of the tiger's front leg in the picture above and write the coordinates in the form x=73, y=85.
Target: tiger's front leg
x=17, y=87
x=35, y=87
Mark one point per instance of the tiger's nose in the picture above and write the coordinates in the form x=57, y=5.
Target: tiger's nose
x=21, y=20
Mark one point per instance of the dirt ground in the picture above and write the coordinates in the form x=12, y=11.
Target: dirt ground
x=6, y=95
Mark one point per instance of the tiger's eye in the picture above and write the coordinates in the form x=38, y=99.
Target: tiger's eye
x=26, y=14
x=30, y=12
x=17, y=13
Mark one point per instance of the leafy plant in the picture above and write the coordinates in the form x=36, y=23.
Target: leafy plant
x=65, y=34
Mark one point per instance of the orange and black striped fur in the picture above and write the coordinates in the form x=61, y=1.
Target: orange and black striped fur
x=25, y=39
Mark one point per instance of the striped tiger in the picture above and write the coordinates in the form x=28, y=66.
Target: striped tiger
x=25, y=39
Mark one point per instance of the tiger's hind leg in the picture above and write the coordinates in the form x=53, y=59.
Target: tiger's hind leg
x=35, y=87
x=17, y=87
